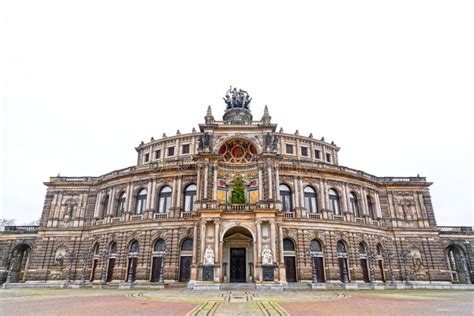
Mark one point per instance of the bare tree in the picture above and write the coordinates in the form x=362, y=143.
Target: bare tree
x=6, y=222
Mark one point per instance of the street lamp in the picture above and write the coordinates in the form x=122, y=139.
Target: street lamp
x=371, y=256
x=404, y=258
x=72, y=257
x=162, y=268
x=314, y=276
x=389, y=257
x=104, y=256
x=85, y=260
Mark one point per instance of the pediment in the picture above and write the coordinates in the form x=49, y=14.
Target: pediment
x=238, y=237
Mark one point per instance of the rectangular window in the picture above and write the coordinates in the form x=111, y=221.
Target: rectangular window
x=304, y=151
x=157, y=154
x=317, y=154
x=185, y=149
x=289, y=149
x=147, y=157
x=328, y=157
x=170, y=151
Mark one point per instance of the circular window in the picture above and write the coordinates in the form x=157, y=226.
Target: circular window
x=238, y=151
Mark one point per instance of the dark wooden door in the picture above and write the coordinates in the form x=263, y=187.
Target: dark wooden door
x=155, y=269
x=382, y=274
x=237, y=265
x=94, y=267
x=110, y=270
x=132, y=264
x=290, y=264
x=185, y=268
x=365, y=270
x=319, y=265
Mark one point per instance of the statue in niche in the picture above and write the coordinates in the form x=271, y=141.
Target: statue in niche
x=209, y=256
x=267, y=258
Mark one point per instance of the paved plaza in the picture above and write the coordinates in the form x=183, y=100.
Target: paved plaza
x=185, y=302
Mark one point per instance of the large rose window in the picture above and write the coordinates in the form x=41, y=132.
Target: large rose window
x=238, y=151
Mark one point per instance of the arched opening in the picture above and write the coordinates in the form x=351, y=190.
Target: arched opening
x=19, y=263
x=354, y=204
x=238, y=255
x=121, y=204
x=310, y=200
x=157, y=260
x=185, y=260
x=189, y=198
x=334, y=202
x=164, y=200
x=363, y=262
x=286, y=199
x=289, y=253
x=317, y=260
x=111, y=261
x=457, y=264
x=141, y=201
x=133, y=250
x=342, y=261
x=105, y=206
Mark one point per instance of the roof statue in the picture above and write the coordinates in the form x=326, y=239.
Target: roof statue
x=237, y=98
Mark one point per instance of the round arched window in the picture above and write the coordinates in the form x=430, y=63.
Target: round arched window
x=238, y=151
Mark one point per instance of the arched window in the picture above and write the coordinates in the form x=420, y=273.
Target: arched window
x=310, y=200
x=159, y=245
x=288, y=245
x=164, y=200
x=379, y=250
x=113, y=248
x=334, y=202
x=370, y=206
x=315, y=246
x=105, y=206
x=121, y=204
x=133, y=247
x=187, y=245
x=354, y=204
x=141, y=201
x=96, y=249
x=362, y=249
x=341, y=247
x=286, y=202
x=189, y=198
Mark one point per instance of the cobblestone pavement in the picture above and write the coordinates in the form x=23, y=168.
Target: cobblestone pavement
x=92, y=302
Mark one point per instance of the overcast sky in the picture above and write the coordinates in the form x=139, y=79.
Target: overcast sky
x=84, y=82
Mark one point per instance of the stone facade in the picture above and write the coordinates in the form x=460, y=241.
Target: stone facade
x=304, y=218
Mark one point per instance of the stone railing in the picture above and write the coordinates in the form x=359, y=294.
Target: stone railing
x=21, y=229
x=455, y=228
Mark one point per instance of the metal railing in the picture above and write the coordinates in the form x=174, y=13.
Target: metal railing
x=21, y=229
x=455, y=228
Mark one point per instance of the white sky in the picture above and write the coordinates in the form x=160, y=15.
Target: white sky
x=84, y=82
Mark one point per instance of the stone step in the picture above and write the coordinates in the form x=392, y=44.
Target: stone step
x=298, y=286
x=238, y=287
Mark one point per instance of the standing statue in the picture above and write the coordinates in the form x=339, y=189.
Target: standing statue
x=209, y=256
x=237, y=98
x=268, y=141
x=275, y=143
x=267, y=258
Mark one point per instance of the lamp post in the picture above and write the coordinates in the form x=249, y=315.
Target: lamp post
x=131, y=269
x=85, y=261
x=465, y=270
x=72, y=257
x=371, y=257
x=314, y=276
x=162, y=267
x=404, y=258
x=389, y=257
x=104, y=256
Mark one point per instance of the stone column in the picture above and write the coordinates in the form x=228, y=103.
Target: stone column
x=203, y=241
x=194, y=273
x=130, y=198
x=179, y=193
x=260, y=184
x=259, y=242
x=198, y=184
x=214, y=185
x=281, y=268
x=97, y=204
x=377, y=206
x=217, y=260
x=148, y=198
x=295, y=195
x=109, y=207
x=153, y=195
x=270, y=183
x=277, y=175
x=273, y=239
x=206, y=173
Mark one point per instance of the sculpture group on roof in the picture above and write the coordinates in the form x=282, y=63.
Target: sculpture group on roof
x=237, y=98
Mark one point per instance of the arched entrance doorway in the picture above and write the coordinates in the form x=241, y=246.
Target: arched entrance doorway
x=237, y=256
x=19, y=263
x=458, y=265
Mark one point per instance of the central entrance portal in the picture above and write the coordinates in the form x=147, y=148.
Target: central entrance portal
x=237, y=265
